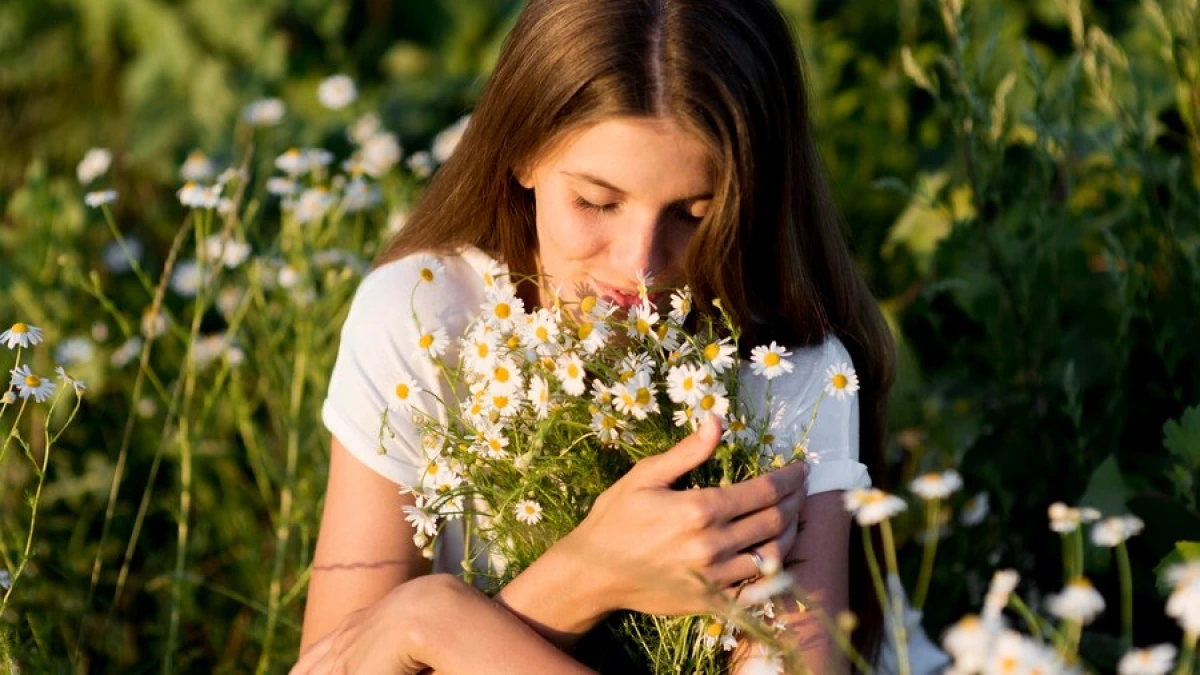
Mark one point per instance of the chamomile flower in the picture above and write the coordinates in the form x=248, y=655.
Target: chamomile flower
x=713, y=402
x=481, y=348
x=936, y=485
x=187, y=278
x=528, y=511
x=502, y=307
x=569, y=370
x=420, y=163
x=540, y=331
x=429, y=269
x=768, y=361
x=1183, y=604
x=433, y=343
x=93, y=165
x=634, y=364
x=98, y=199
x=1114, y=531
x=685, y=384
x=312, y=204
x=264, y=112
x=196, y=196
x=681, y=305
x=30, y=385
x=593, y=336
x=74, y=351
x=492, y=442
x=841, y=381
x=713, y=633
x=359, y=195
x=406, y=392
x=737, y=430
x=231, y=253
x=492, y=274
x=718, y=355
x=869, y=507
x=197, y=167
x=642, y=321
x=505, y=376
x=294, y=162
x=1065, y=519
x=636, y=397
x=21, y=335
x=336, y=92
x=1079, y=601
x=78, y=385
x=685, y=417
x=539, y=396
x=423, y=522
x=644, y=284
x=380, y=153
x=1156, y=660
x=608, y=427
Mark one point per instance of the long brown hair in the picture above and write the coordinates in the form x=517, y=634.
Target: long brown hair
x=771, y=247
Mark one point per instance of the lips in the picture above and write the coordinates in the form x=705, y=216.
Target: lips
x=625, y=299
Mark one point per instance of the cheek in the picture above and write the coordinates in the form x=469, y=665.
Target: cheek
x=566, y=237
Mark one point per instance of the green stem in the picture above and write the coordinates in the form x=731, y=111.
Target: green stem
x=1187, y=654
x=1126, y=596
x=901, y=633
x=930, y=550
x=1036, y=629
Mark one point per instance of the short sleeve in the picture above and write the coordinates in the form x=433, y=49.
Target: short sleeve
x=834, y=436
x=379, y=349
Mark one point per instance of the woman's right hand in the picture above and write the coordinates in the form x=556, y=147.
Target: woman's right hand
x=643, y=542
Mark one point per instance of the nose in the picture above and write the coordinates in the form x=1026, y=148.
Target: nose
x=643, y=246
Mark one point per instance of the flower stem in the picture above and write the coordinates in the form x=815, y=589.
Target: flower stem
x=1126, y=596
x=1187, y=654
x=898, y=628
x=930, y=550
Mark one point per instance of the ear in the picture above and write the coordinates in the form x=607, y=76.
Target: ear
x=524, y=176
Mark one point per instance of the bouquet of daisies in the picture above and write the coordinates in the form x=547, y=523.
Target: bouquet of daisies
x=554, y=405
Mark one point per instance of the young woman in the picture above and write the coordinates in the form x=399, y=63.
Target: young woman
x=615, y=137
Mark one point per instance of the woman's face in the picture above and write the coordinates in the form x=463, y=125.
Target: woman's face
x=619, y=198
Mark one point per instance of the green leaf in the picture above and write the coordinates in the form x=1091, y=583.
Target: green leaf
x=1107, y=490
x=1182, y=438
x=1184, y=551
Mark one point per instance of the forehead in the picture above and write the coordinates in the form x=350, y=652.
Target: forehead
x=643, y=156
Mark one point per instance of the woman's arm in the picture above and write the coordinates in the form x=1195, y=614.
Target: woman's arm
x=364, y=548
x=438, y=622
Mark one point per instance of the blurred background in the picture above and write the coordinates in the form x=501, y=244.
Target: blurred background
x=1021, y=186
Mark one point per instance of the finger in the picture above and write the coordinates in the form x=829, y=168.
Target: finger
x=780, y=548
x=762, y=525
x=307, y=665
x=662, y=470
x=759, y=493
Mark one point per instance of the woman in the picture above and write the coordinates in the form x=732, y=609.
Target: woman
x=614, y=138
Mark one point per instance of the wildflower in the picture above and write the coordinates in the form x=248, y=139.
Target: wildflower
x=642, y=320
x=312, y=204
x=593, y=336
x=769, y=361
x=429, y=269
x=481, y=350
x=423, y=522
x=74, y=351
x=492, y=442
x=93, y=165
x=406, y=391
x=491, y=274
x=8, y=398
x=937, y=485
x=1079, y=601
x=681, y=305
x=434, y=342
x=153, y=324
x=718, y=356
x=360, y=196
x=773, y=584
x=264, y=112
x=528, y=511
x=713, y=402
x=1002, y=586
x=288, y=277
x=21, y=335
x=78, y=385
x=98, y=199
x=505, y=376
x=539, y=396
x=871, y=506
x=231, y=253
x=294, y=162
x=28, y=384
x=975, y=510
x=644, y=284
x=967, y=642
x=541, y=331
x=685, y=384
x=1156, y=660
x=841, y=381
x=379, y=154
x=502, y=307
x=1065, y=519
x=280, y=186
x=126, y=352
x=636, y=397
x=120, y=259
x=197, y=167
x=608, y=427
x=421, y=164
x=336, y=92
x=1115, y=531
x=447, y=140
x=187, y=278
x=1183, y=604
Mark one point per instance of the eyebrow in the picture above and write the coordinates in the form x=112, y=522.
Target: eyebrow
x=605, y=184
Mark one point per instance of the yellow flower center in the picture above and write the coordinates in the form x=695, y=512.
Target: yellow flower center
x=840, y=381
x=431, y=470
x=588, y=303
x=643, y=396
x=585, y=330
x=501, y=374
x=688, y=383
x=542, y=334
x=737, y=425
x=476, y=409
x=426, y=341
x=529, y=510
x=608, y=422
x=513, y=342
x=708, y=402
x=661, y=331
x=768, y=439
x=482, y=349
x=771, y=360
x=712, y=351
x=500, y=402
x=642, y=327
x=685, y=306
x=572, y=371
x=427, y=275
x=713, y=630
x=503, y=310
x=1008, y=664
x=20, y=328
x=626, y=375
x=33, y=381
x=402, y=391
x=494, y=444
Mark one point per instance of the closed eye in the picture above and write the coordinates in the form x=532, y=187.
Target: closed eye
x=585, y=205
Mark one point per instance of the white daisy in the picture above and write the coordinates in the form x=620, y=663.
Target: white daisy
x=1065, y=519
x=737, y=430
x=569, y=370
x=502, y=307
x=360, y=196
x=363, y=128
x=336, y=92
x=447, y=140
x=540, y=331
x=264, y=112
x=492, y=274
x=187, y=278
x=197, y=167
x=481, y=349
x=380, y=153
x=127, y=352
x=423, y=522
x=871, y=506
x=936, y=485
x=120, y=259
x=719, y=355
x=294, y=162
x=197, y=196
x=642, y=321
x=636, y=397
x=634, y=364
x=539, y=396
x=713, y=402
x=1114, y=531
x=841, y=381
x=78, y=385
x=685, y=384
x=968, y=641
x=231, y=253
x=644, y=284
x=1183, y=604
x=73, y=351
x=681, y=305
x=98, y=199
x=280, y=186
x=769, y=362
x=28, y=384
x=312, y=204
x=1079, y=601
x=93, y=165
x=420, y=163
x=976, y=509
x=1156, y=660
x=528, y=511
x=433, y=342
x=491, y=442
x=21, y=335
x=406, y=392
x=1004, y=582
x=608, y=427
x=429, y=269
x=593, y=336
x=685, y=417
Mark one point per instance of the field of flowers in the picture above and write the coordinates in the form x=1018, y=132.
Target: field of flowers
x=190, y=193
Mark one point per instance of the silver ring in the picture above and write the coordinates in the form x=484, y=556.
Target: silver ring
x=758, y=562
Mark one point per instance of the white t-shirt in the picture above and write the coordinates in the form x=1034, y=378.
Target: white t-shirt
x=379, y=347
